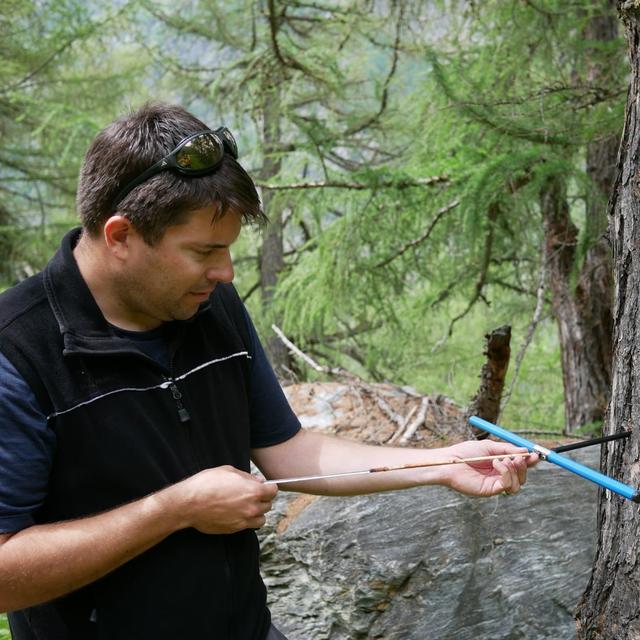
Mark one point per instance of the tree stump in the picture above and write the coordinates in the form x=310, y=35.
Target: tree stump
x=486, y=402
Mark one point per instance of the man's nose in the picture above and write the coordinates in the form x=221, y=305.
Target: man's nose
x=221, y=273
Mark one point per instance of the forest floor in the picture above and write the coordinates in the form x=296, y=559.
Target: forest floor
x=380, y=414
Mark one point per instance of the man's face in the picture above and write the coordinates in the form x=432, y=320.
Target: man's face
x=169, y=280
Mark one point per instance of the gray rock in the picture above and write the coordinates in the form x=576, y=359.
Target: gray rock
x=430, y=564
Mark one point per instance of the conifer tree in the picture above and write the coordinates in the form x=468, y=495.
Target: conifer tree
x=610, y=606
x=307, y=85
x=539, y=87
x=56, y=84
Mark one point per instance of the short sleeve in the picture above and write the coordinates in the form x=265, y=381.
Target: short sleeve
x=272, y=419
x=27, y=447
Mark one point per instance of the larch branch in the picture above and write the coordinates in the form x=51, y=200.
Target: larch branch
x=387, y=81
x=494, y=210
x=422, y=238
x=336, y=184
x=535, y=320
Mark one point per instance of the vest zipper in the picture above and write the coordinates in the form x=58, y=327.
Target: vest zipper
x=185, y=418
x=183, y=414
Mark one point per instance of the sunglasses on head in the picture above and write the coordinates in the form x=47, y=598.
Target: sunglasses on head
x=196, y=155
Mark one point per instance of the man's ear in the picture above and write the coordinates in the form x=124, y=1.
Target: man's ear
x=118, y=232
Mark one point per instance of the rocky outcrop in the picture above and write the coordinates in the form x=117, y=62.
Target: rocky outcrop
x=430, y=564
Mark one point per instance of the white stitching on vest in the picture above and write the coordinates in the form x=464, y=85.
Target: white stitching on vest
x=162, y=385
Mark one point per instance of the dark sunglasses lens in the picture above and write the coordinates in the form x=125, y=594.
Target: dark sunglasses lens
x=203, y=152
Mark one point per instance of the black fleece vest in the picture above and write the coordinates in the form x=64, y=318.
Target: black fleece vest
x=125, y=427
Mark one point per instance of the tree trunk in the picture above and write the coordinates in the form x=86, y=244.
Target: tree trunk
x=601, y=153
x=583, y=370
x=6, y=247
x=271, y=252
x=610, y=607
x=594, y=292
x=486, y=402
x=584, y=316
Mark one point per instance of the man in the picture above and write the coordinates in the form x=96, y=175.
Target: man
x=133, y=393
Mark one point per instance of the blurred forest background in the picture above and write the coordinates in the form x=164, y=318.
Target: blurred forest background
x=431, y=170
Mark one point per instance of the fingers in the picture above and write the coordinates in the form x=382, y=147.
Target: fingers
x=225, y=500
x=512, y=474
x=521, y=468
x=263, y=493
x=269, y=491
x=510, y=471
x=258, y=504
x=256, y=523
x=259, y=517
x=498, y=448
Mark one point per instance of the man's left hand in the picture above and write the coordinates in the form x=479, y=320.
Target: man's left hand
x=488, y=477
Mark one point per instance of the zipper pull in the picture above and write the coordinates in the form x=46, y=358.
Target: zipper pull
x=183, y=414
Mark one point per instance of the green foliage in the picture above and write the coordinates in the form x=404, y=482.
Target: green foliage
x=504, y=106
x=4, y=628
x=493, y=98
x=57, y=86
x=590, y=430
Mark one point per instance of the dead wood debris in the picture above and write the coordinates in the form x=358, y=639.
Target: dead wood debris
x=377, y=413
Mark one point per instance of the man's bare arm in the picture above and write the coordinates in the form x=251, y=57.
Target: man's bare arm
x=46, y=561
x=309, y=453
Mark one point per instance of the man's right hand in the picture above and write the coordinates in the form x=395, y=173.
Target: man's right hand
x=45, y=561
x=220, y=500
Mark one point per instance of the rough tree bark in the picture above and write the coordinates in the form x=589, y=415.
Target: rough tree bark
x=6, y=246
x=610, y=606
x=581, y=314
x=486, y=402
x=271, y=253
x=584, y=314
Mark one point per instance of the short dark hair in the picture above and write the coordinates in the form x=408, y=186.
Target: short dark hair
x=129, y=146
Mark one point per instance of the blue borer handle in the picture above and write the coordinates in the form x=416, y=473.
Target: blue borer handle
x=620, y=488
